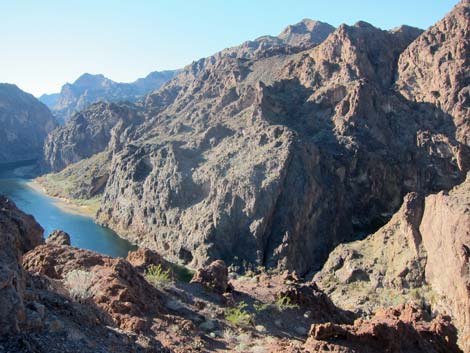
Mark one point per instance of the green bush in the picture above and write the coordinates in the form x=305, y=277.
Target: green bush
x=157, y=275
x=259, y=307
x=238, y=315
x=182, y=273
x=284, y=303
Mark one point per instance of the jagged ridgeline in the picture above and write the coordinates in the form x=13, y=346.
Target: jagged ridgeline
x=274, y=152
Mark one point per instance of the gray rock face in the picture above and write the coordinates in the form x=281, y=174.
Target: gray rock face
x=24, y=122
x=273, y=161
x=89, y=89
x=87, y=133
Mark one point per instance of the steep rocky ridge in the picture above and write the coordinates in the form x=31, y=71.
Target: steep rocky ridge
x=89, y=89
x=89, y=132
x=274, y=161
x=305, y=34
x=420, y=256
x=435, y=68
x=274, y=158
x=25, y=123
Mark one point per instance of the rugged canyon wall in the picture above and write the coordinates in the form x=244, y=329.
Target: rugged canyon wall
x=25, y=123
x=422, y=255
x=276, y=160
x=267, y=157
x=435, y=68
x=87, y=133
x=89, y=89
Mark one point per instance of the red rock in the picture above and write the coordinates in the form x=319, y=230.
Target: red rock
x=402, y=329
x=214, y=277
x=119, y=289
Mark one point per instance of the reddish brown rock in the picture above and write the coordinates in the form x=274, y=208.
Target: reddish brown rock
x=116, y=286
x=214, y=277
x=58, y=237
x=435, y=68
x=142, y=258
x=18, y=233
x=402, y=329
x=445, y=229
x=309, y=296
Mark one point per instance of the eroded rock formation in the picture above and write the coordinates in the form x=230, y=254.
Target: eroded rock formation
x=420, y=256
x=275, y=160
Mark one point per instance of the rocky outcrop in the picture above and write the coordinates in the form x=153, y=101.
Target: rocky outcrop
x=89, y=89
x=436, y=69
x=213, y=277
x=305, y=34
x=25, y=124
x=114, y=285
x=143, y=258
x=88, y=133
x=256, y=161
x=308, y=296
x=420, y=256
x=445, y=231
x=37, y=314
x=366, y=275
x=403, y=329
x=18, y=234
x=58, y=237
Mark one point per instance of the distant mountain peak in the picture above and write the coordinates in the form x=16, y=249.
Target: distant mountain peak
x=89, y=80
x=306, y=30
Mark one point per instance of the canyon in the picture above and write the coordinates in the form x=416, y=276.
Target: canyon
x=306, y=192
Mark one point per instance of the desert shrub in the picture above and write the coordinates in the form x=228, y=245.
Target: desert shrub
x=259, y=307
x=284, y=303
x=79, y=283
x=182, y=273
x=238, y=315
x=158, y=276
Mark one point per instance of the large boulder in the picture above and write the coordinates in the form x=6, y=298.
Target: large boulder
x=58, y=237
x=214, y=277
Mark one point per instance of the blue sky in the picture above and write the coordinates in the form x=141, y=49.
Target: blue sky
x=47, y=43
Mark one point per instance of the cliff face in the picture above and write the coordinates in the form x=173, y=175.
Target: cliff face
x=24, y=122
x=277, y=159
x=87, y=133
x=422, y=256
x=273, y=156
x=89, y=89
x=436, y=68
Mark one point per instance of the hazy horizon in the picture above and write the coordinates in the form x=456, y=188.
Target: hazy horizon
x=53, y=42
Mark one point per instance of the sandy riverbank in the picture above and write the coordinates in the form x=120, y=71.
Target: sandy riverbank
x=65, y=204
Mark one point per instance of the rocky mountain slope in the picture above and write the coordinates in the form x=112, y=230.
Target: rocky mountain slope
x=25, y=123
x=422, y=255
x=275, y=158
x=56, y=298
x=89, y=89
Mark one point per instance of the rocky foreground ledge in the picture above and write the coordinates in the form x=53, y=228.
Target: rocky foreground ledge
x=57, y=298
